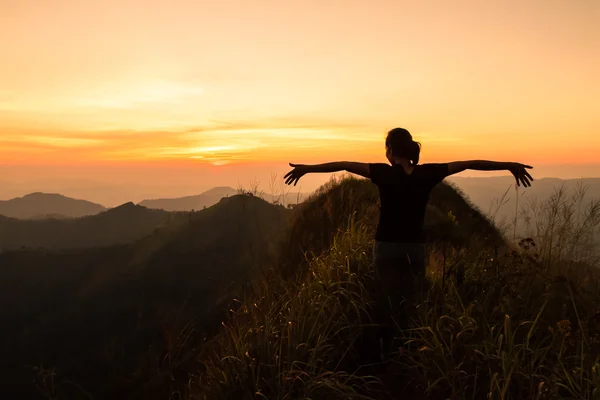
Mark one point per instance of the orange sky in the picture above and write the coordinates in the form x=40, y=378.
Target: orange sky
x=136, y=85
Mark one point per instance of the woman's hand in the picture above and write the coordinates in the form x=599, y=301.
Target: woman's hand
x=298, y=172
x=520, y=173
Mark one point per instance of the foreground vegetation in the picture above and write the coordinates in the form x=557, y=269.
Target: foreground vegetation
x=499, y=321
x=502, y=318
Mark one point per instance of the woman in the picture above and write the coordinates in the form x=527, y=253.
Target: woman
x=404, y=188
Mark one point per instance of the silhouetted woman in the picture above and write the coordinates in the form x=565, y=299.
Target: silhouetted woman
x=404, y=188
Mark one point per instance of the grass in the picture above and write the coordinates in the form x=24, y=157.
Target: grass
x=504, y=317
x=292, y=341
x=514, y=324
x=518, y=335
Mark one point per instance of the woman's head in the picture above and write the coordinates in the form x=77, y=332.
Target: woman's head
x=399, y=144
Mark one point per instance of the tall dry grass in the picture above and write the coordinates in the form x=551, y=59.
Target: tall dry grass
x=524, y=325
x=295, y=337
x=517, y=324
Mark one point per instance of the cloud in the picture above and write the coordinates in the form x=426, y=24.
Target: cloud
x=217, y=143
x=139, y=95
x=51, y=141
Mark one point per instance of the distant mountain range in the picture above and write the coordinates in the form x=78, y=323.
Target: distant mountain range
x=498, y=198
x=188, y=203
x=56, y=206
x=213, y=196
x=486, y=191
x=53, y=221
x=45, y=205
x=122, y=224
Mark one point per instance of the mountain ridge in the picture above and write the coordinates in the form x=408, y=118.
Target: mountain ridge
x=36, y=204
x=123, y=224
x=193, y=202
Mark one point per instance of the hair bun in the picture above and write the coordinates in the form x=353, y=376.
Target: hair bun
x=402, y=145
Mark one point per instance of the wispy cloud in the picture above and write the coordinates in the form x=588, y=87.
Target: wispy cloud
x=216, y=143
x=52, y=141
x=131, y=96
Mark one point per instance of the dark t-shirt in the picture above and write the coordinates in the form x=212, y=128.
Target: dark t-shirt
x=404, y=199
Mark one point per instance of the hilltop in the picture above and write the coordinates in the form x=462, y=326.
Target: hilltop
x=498, y=319
x=213, y=196
x=189, y=203
x=44, y=205
x=325, y=213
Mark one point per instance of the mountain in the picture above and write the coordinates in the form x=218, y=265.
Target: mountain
x=485, y=191
x=107, y=193
x=325, y=316
x=212, y=196
x=123, y=224
x=286, y=199
x=188, y=203
x=170, y=316
x=40, y=205
x=302, y=336
x=106, y=311
x=138, y=314
x=497, y=196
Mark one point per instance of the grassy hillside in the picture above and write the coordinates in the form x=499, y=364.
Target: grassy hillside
x=326, y=213
x=109, y=311
x=38, y=205
x=119, y=225
x=499, y=319
x=514, y=324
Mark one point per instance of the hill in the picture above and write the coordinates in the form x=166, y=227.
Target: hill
x=189, y=203
x=186, y=314
x=498, y=319
x=123, y=224
x=319, y=300
x=111, y=311
x=326, y=212
x=40, y=205
x=212, y=196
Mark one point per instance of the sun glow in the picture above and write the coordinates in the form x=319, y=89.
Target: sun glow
x=183, y=83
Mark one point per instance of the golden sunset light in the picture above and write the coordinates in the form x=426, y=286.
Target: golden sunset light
x=300, y=199
x=221, y=83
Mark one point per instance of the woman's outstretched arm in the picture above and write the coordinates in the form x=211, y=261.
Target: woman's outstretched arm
x=518, y=170
x=300, y=170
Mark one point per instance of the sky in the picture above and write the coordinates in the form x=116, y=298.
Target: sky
x=193, y=94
